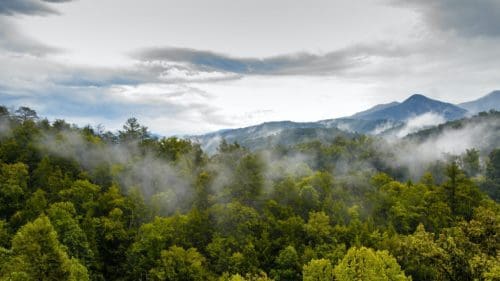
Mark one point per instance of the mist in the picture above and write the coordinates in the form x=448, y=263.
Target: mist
x=416, y=154
x=420, y=122
x=159, y=181
x=351, y=160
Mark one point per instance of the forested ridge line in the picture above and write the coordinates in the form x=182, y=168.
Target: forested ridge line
x=86, y=204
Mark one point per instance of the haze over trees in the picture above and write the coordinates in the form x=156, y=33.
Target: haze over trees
x=84, y=204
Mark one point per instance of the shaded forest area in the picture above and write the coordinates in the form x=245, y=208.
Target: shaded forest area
x=85, y=204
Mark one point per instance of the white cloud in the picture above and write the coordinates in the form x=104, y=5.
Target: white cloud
x=240, y=63
x=420, y=122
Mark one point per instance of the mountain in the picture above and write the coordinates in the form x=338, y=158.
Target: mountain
x=289, y=133
x=413, y=106
x=383, y=119
x=354, y=125
x=378, y=107
x=486, y=103
x=271, y=134
x=480, y=131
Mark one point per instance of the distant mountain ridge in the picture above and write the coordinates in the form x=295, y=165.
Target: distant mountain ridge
x=382, y=119
x=486, y=103
x=413, y=106
x=271, y=134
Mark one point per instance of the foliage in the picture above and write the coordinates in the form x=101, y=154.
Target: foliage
x=179, y=264
x=318, y=270
x=84, y=204
x=38, y=255
x=366, y=264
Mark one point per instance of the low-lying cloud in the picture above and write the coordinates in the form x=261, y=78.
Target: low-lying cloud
x=417, y=154
x=420, y=122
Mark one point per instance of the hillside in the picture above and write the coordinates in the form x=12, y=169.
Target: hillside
x=486, y=103
x=373, y=109
x=393, y=118
x=82, y=204
x=271, y=134
x=486, y=125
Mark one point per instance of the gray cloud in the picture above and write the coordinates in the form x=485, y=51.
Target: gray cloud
x=91, y=95
x=11, y=38
x=303, y=63
x=181, y=110
x=27, y=7
x=464, y=17
x=13, y=41
x=57, y=1
x=165, y=86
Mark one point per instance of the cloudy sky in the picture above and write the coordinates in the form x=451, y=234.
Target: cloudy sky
x=188, y=67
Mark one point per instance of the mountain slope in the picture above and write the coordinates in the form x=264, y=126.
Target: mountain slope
x=376, y=108
x=414, y=106
x=486, y=103
x=270, y=134
x=354, y=125
x=480, y=131
x=382, y=119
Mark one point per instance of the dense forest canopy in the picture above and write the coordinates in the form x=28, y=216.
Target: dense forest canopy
x=86, y=204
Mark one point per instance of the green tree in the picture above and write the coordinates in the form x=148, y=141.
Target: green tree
x=492, y=183
x=13, y=188
x=133, y=131
x=318, y=227
x=366, y=264
x=82, y=194
x=249, y=181
x=202, y=191
x=62, y=216
x=38, y=255
x=470, y=162
x=152, y=238
x=24, y=114
x=4, y=113
x=173, y=148
x=4, y=234
x=49, y=177
x=318, y=270
x=461, y=193
x=262, y=276
x=421, y=257
x=288, y=265
x=177, y=263
x=113, y=243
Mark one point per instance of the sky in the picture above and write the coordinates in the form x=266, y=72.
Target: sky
x=190, y=67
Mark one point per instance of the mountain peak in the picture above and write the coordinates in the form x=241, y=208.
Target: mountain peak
x=414, y=105
x=417, y=97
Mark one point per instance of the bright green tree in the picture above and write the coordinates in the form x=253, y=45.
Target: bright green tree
x=177, y=263
x=38, y=255
x=366, y=264
x=62, y=216
x=318, y=270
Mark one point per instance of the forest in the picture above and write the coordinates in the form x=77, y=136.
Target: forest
x=83, y=203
